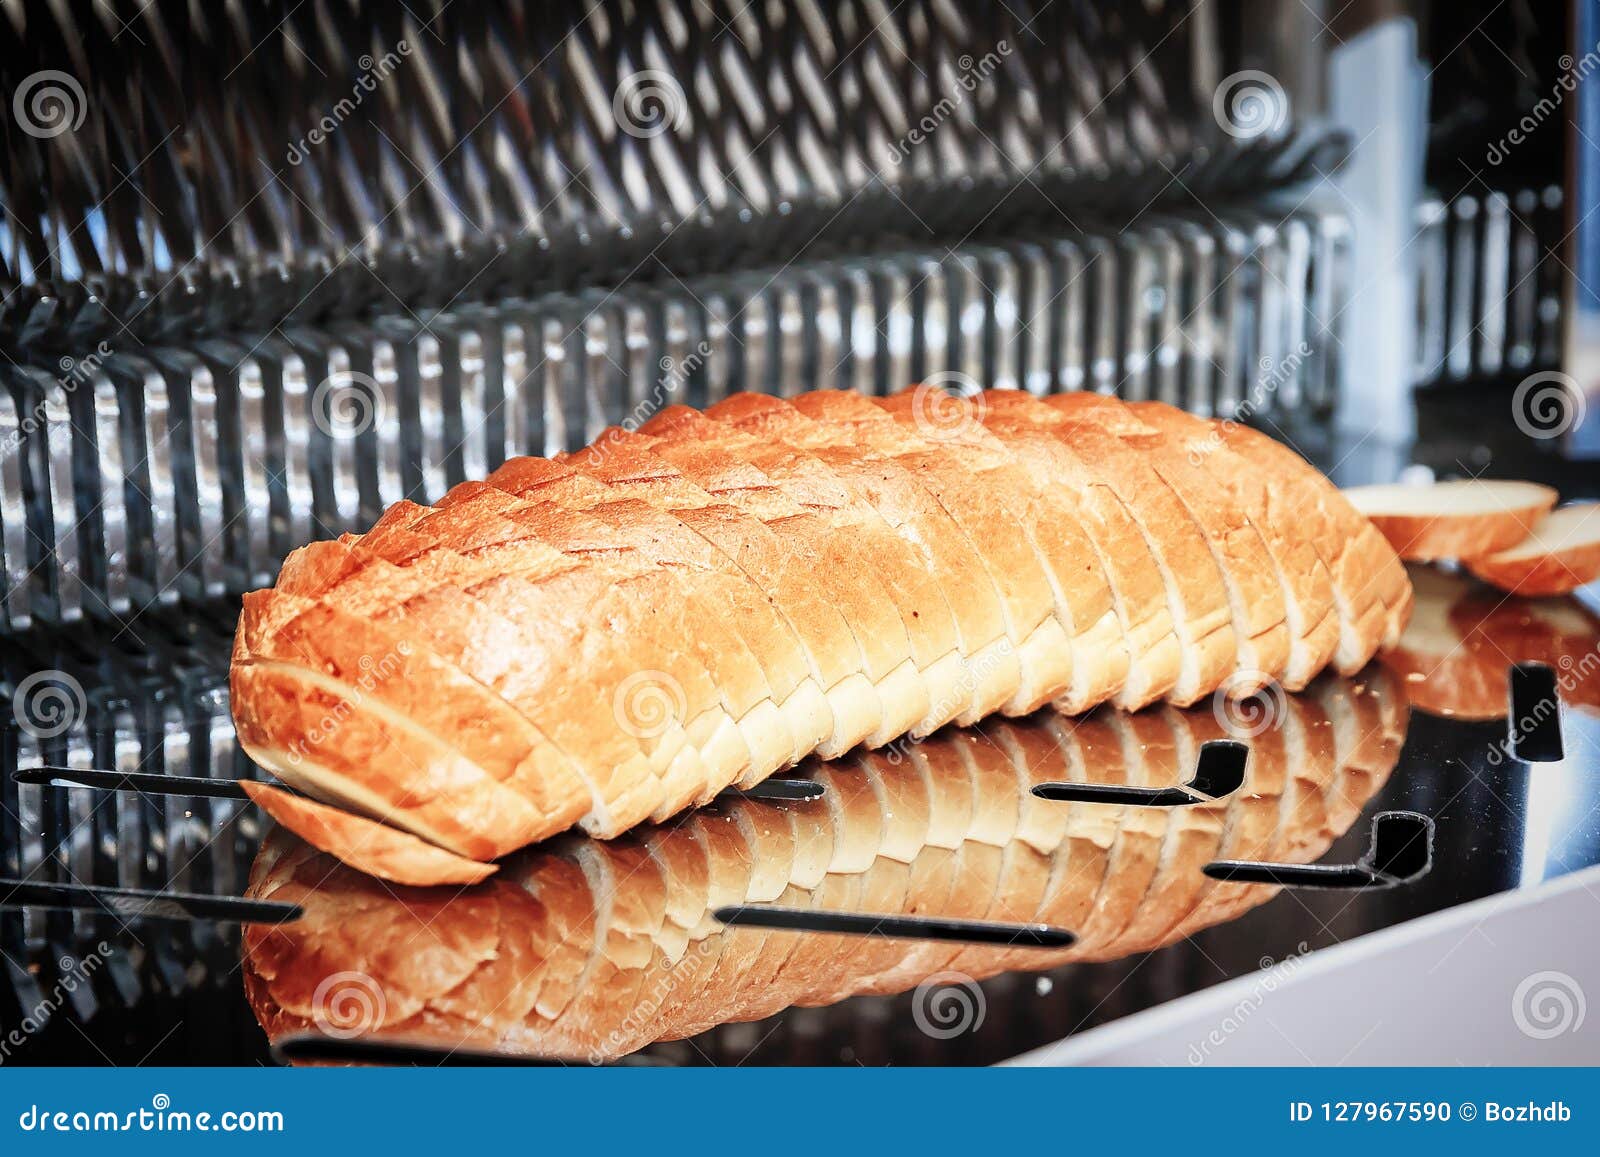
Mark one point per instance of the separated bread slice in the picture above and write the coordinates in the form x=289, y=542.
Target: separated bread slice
x=1256, y=598
x=1366, y=572
x=1560, y=554
x=1312, y=610
x=1196, y=594
x=1468, y=518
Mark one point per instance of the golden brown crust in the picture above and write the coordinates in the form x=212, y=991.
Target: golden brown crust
x=1559, y=556
x=1195, y=589
x=620, y=634
x=1466, y=519
x=1255, y=596
x=1303, y=576
x=373, y=848
x=1367, y=575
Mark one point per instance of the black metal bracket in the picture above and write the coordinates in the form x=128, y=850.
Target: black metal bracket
x=1401, y=851
x=1535, y=723
x=1218, y=772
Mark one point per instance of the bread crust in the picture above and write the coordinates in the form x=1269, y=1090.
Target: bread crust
x=1196, y=593
x=1367, y=575
x=1535, y=567
x=1255, y=597
x=1434, y=530
x=373, y=848
x=1312, y=613
x=783, y=578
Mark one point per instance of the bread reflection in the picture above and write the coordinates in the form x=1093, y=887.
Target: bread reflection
x=588, y=949
x=1463, y=639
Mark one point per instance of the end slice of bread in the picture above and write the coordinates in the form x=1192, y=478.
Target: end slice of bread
x=1464, y=519
x=1561, y=555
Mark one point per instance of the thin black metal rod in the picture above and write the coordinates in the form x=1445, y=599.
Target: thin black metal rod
x=780, y=789
x=1064, y=792
x=140, y=903
x=896, y=927
x=143, y=782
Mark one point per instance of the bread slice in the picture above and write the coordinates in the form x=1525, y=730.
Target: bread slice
x=1196, y=593
x=1051, y=522
x=1311, y=609
x=834, y=531
x=796, y=713
x=1561, y=554
x=986, y=671
x=1469, y=518
x=742, y=523
x=374, y=848
x=1143, y=662
x=1256, y=598
x=974, y=508
x=1369, y=581
x=932, y=634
